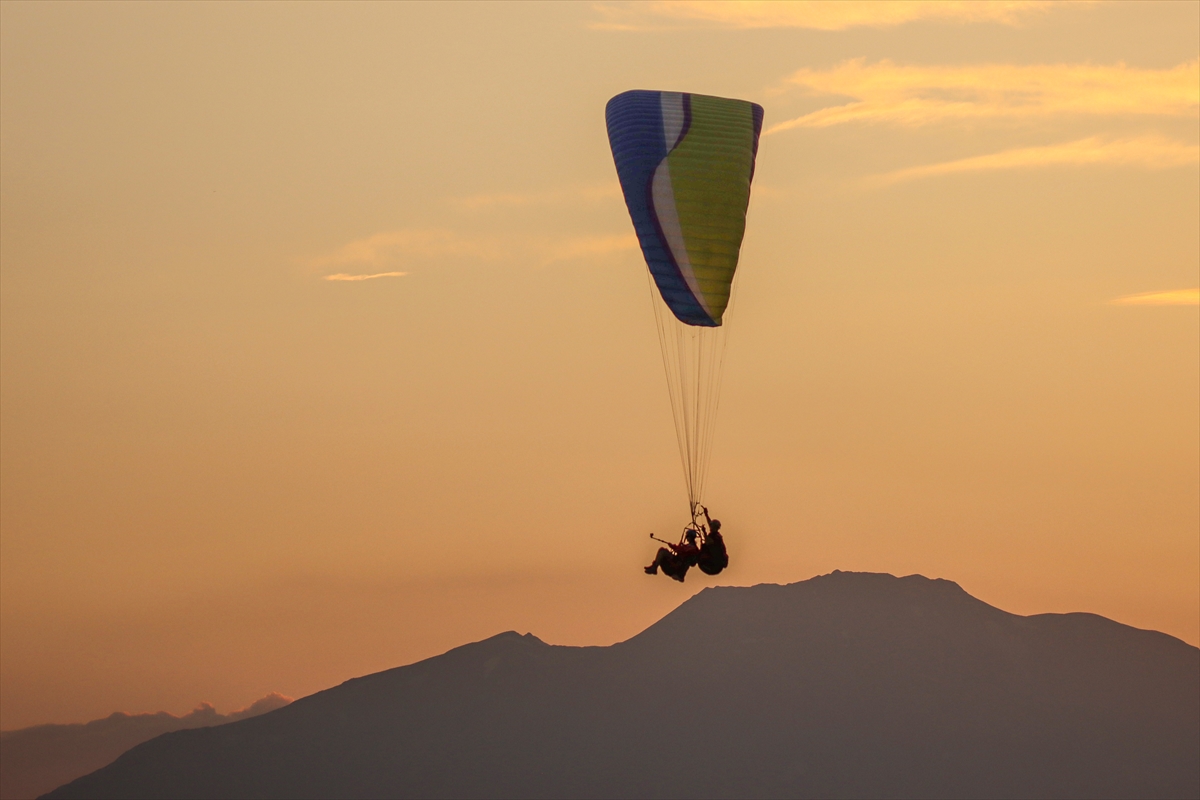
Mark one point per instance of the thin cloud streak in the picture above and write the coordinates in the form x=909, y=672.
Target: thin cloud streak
x=824, y=15
x=342, y=276
x=913, y=96
x=1152, y=152
x=384, y=248
x=1176, y=297
x=422, y=244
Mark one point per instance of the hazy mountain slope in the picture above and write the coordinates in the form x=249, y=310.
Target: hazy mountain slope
x=847, y=685
x=35, y=760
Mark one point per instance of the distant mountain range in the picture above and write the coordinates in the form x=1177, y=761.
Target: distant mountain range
x=35, y=760
x=846, y=685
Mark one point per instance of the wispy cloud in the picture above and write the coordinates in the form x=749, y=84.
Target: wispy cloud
x=575, y=194
x=342, y=276
x=424, y=245
x=385, y=248
x=1176, y=297
x=884, y=92
x=1153, y=152
x=825, y=15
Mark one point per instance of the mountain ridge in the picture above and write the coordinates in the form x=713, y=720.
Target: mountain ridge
x=39, y=757
x=845, y=685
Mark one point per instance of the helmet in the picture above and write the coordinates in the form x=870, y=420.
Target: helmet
x=716, y=524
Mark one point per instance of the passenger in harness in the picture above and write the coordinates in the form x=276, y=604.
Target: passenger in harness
x=676, y=561
x=712, y=558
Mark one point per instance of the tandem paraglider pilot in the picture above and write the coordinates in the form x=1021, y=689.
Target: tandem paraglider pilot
x=713, y=558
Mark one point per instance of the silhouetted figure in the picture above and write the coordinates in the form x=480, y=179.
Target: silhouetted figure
x=676, y=561
x=712, y=558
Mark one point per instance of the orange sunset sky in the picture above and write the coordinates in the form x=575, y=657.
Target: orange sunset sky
x=327, y=346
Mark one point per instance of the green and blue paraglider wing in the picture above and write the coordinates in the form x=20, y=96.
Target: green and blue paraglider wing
x=685, y=162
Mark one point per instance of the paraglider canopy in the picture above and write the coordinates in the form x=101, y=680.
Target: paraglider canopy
x=685, y=162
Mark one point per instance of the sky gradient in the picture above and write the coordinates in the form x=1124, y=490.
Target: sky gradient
x=326, y=345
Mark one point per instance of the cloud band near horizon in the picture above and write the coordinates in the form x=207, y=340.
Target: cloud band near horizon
x=1151, y=152
x=823, y=15
x=1176, y=297
x=913, y=95
x=342, y=276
